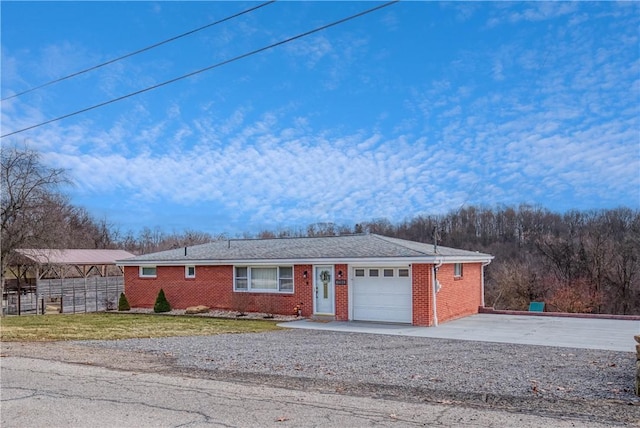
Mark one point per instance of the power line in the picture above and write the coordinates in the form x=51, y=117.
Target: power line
x=193, y=73
x=111, y=61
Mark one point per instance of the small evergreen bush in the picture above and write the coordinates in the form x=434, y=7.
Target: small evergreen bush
x=162, y=304
x=123, y=303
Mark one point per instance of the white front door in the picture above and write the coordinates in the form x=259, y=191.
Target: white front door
x=323, y=287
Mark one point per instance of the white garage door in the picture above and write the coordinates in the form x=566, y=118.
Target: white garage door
x=382, y=294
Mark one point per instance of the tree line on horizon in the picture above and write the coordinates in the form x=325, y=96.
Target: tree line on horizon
x=578, y=261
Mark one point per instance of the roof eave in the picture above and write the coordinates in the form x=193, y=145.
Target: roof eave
x=380, y=261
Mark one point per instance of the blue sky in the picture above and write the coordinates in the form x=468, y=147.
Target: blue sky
x=417, y=108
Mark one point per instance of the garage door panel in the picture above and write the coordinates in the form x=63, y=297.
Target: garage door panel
x=390, y=302
x=386, y=299
x=383, y=314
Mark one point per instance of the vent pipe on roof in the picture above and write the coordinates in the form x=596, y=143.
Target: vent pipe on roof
x=435, y=239
x=185, y=251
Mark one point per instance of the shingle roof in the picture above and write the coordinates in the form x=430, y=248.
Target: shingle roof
x=333, y=248
x=75, y=257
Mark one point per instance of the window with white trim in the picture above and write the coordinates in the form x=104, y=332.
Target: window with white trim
x=267, y=279
x=403, y=273
x=359, y=272
x=241, y=278
x=457, y=270
x=148, y=271
x=189, y=271
x=373, y=272
x=387, y=272
x=285, y=279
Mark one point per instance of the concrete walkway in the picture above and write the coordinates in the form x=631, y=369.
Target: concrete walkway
x=607, y=334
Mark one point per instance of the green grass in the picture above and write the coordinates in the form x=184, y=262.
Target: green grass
x=37, y=328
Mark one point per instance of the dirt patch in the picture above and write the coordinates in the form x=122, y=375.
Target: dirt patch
x=69, y=352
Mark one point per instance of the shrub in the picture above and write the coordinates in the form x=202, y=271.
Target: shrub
x=123, y=303
x=240, y=301
x=162, y=304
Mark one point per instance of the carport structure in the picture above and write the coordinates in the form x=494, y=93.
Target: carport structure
x=71, y=280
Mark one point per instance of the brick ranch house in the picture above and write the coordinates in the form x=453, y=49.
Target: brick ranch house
x=356, y=277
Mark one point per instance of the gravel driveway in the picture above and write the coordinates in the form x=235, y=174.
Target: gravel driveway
x=592, y=383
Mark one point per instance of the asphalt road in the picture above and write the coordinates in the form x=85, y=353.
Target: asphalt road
x=37, y=393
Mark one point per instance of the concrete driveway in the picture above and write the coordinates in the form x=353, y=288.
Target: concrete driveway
x=608, y=334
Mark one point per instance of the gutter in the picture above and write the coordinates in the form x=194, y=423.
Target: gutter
x=354, y=261
x=482, y=280
x=434, y=282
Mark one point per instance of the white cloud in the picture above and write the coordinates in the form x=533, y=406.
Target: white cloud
x=540, y=11
x=498, y=70
x=59, y=59
x=311, y=50
x=302, y=179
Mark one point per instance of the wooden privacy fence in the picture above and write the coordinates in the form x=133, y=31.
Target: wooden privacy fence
x=73, y=295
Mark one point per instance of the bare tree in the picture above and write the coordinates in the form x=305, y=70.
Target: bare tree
x=30, y=205
x=515, y=283
x=151, y=240
x=266, y=234
x=321, y=229
x=30, y=191
x=623, y=266
x=576, y=297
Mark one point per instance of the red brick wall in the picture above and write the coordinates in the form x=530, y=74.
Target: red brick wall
x=342, y=293
x=422, y=295
x=210, y=286
x=459, y=297
x=213, y=287
x=303, y=289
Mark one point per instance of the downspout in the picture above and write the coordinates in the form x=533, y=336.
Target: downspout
x=482, y=280
x=434, y=282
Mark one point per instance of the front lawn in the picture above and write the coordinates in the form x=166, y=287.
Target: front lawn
x=35, y=328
